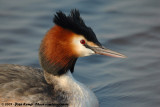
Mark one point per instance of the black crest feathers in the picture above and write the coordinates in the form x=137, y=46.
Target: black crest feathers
x=76, y=24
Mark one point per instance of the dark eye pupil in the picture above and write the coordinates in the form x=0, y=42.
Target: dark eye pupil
x=82, y=41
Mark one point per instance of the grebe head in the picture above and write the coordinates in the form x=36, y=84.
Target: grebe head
x=69, y=39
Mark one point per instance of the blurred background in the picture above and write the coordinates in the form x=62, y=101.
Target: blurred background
x=131, y=27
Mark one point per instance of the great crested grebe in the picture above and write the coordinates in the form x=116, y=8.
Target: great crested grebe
x=54, y=85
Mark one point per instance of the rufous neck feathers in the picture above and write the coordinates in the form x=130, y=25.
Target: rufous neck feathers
x=56, y=56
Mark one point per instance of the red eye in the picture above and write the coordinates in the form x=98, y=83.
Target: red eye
x=82, y=42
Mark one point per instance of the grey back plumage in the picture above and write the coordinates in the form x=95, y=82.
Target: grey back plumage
x=27, y=84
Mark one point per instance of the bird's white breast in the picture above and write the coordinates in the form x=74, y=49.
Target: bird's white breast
x=79, y=94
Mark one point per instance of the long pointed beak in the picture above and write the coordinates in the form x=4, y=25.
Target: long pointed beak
x=104, y=51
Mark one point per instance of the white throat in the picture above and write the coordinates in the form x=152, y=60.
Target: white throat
x=80, y=95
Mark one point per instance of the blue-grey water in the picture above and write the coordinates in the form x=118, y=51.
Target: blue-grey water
x=131, y=27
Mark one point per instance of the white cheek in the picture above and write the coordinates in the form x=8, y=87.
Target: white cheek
x=84, y=51
x=81, y=49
